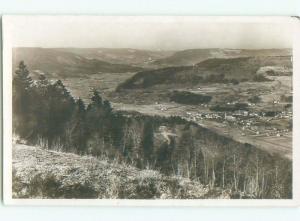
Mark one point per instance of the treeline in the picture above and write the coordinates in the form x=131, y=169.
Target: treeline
x=223, y=107
x=186, y=97
x=185, y=75
x=285, y=98
x=45, y=114
x=174, y=75
x=279, y=73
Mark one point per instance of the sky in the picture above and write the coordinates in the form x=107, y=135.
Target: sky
x=154, y=33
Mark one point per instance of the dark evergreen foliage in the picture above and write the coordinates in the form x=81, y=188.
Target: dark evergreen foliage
x=185, y=97
x=22, y=97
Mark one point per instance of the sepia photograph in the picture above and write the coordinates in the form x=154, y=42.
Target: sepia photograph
x=114, y=109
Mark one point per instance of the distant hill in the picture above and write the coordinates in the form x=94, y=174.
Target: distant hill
x=65, y=64
x=216, y=70
x=127, y=56
x=79, y=62
x=194, y=56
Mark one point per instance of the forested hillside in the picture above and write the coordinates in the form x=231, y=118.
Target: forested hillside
x=46, y=115
x=214, y=70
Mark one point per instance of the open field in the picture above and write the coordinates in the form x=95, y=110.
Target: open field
x=104, y=82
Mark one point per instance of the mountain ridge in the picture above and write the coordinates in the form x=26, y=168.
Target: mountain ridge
x=65, y=64
x=212, y=70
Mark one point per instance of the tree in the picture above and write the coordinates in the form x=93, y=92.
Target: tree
x=21, y=101
x=76, y=130
x=22, y=78
x=234, y=81
x=98, y=123
x=61, y=106
x=148, y=142
x=255, y=99
x=107, y=107
x=53, y=107
x=96, y=99
x=94, y=112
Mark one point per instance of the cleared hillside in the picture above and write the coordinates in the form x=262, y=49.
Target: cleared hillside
x=39, y=173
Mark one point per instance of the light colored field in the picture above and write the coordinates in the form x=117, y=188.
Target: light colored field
x=104, y=82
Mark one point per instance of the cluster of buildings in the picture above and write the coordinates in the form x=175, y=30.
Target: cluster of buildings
x=223, y=116
x=248, y=122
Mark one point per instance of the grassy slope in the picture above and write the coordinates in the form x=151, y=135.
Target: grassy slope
x=39, y=173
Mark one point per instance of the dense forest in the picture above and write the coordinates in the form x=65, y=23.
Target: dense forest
x=186, y=97
x=46, y=115
x=209, y=71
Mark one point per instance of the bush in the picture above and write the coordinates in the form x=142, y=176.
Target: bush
x=234, y=81
x=254, y=99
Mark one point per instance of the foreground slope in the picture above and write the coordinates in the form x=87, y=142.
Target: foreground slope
x=39, y=173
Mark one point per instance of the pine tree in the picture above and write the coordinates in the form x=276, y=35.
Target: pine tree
x=99, y=123
x=106, y=106
x=53, y=108
x=61, y=106
x=22, y=80
x=78, y=127
x=21, y=101
x=96, y=98
x=95, y=112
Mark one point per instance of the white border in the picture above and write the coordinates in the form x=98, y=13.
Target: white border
x=8, y=21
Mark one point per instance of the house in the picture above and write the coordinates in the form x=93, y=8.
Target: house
x=230, y=118
x=241, y=113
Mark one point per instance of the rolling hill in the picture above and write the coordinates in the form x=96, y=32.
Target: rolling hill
x=194, y=56
x=215, y=70
x=65, y=64
x=127, y=56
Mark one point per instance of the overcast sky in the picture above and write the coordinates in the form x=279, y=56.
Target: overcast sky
x=156, y=33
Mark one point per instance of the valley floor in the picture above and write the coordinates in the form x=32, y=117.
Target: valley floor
x=273, y=144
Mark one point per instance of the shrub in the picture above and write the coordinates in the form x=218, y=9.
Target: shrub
x=254, y=99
